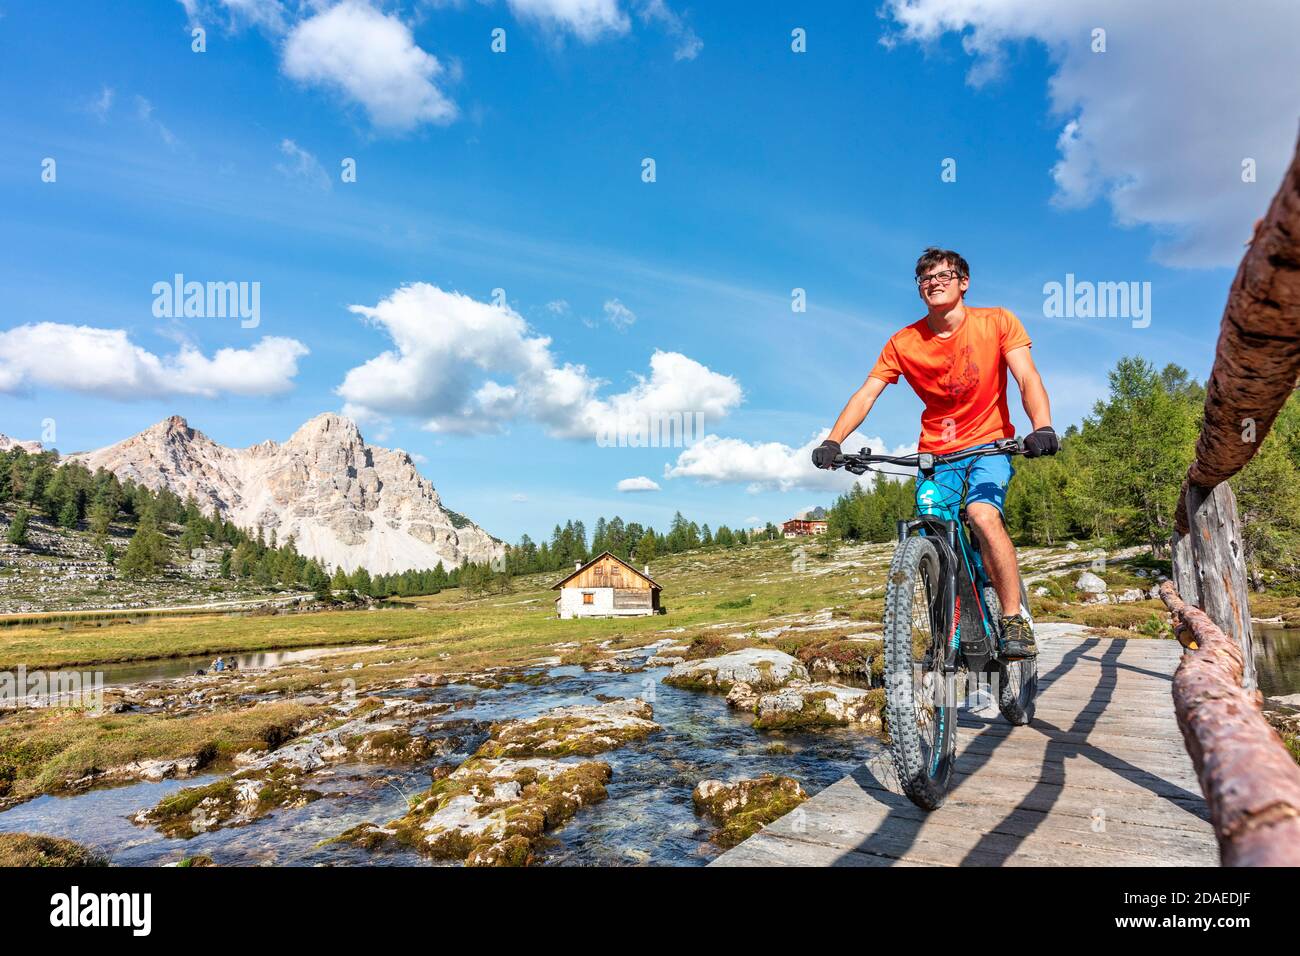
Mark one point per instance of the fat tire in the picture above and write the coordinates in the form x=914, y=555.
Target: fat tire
x=926, y=789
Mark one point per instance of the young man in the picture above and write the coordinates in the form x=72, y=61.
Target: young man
x=956, y=360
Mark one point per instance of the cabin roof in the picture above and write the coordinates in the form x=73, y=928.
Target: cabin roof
x=574, y=573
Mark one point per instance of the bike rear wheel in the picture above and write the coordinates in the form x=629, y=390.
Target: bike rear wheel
x=918, y=700
x=1017, y=680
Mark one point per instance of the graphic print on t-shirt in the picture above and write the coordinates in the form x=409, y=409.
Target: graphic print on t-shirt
x=962, y=383
x=961, y=376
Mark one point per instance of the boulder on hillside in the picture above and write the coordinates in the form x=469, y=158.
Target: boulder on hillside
x=1092, y=587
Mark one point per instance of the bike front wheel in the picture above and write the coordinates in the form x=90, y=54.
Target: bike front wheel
x=919, y=707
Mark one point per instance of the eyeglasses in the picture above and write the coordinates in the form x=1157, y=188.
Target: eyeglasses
x=943, y=278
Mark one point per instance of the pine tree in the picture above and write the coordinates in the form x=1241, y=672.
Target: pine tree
x=18, y=528
x=645, y=549
x=318, y=581
x=148, y=552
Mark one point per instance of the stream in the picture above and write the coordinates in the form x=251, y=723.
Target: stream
x=648, y=817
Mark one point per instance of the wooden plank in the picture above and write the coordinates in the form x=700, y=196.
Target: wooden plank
x=1100, y=777
x=851, y=816
x=940, y=844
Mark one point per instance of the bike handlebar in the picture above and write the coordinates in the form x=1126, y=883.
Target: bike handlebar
x=862, y=462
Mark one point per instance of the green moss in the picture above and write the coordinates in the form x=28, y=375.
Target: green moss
x=513, y=851
x=35, y=849
x=558, y=737
x=174, y=815
x=543, y=804
x=814, y=714
x=173, y=812
x=366, y=706
x=745, y=807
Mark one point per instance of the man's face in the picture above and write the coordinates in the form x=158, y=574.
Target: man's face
x=940, y=287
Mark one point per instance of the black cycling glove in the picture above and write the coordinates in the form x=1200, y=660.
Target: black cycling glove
x=824, y=455
x=1042, y=441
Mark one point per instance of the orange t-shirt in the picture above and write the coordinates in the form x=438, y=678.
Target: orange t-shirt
x=962, y=379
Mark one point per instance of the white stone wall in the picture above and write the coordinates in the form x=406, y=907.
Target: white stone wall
x=602, y=604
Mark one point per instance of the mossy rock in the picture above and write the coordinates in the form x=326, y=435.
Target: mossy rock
x=572, y=731
x=491, y=813
x=743, y=807
x=234, y=801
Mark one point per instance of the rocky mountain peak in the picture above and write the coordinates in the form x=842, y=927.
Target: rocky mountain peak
x=346, y=503
x=328, y=426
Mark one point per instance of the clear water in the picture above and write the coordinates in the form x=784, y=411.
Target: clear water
x=647, y=819
x=1277, y=660
x=139, y=672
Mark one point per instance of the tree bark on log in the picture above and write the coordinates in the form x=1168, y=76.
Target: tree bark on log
x=1257, y=358
x=1250, y=782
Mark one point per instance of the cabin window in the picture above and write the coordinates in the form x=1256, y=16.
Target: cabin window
x=588, y=597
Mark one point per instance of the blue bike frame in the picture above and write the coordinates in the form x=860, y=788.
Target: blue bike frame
x=940, y=514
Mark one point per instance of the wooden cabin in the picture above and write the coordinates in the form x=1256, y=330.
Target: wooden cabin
x=607, y=586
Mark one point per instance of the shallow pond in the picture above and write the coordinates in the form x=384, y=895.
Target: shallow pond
x=647, y=819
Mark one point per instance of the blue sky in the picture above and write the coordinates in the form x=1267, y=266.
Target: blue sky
x=522, y=171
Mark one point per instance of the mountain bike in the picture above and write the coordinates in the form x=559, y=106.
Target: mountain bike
x=942, y=620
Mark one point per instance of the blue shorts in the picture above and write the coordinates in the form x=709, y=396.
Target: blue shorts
x=989, y=477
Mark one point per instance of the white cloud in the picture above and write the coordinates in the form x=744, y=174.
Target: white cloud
x=100, y=106
x=144, y=111
x=371, y=59
x=105, y=362
x=462, y=365
x=639, y=483
x=519, y=497
x=619, y=315
x=270, y=15
x=588, y=20
x=689, y=44
x=1160, y=122
x=302, y=165
x=766, y=466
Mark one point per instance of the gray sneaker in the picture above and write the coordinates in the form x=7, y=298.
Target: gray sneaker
x=1018, y=639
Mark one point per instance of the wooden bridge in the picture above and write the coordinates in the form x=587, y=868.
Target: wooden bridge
x=1100, y=777
x=1128, y=734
